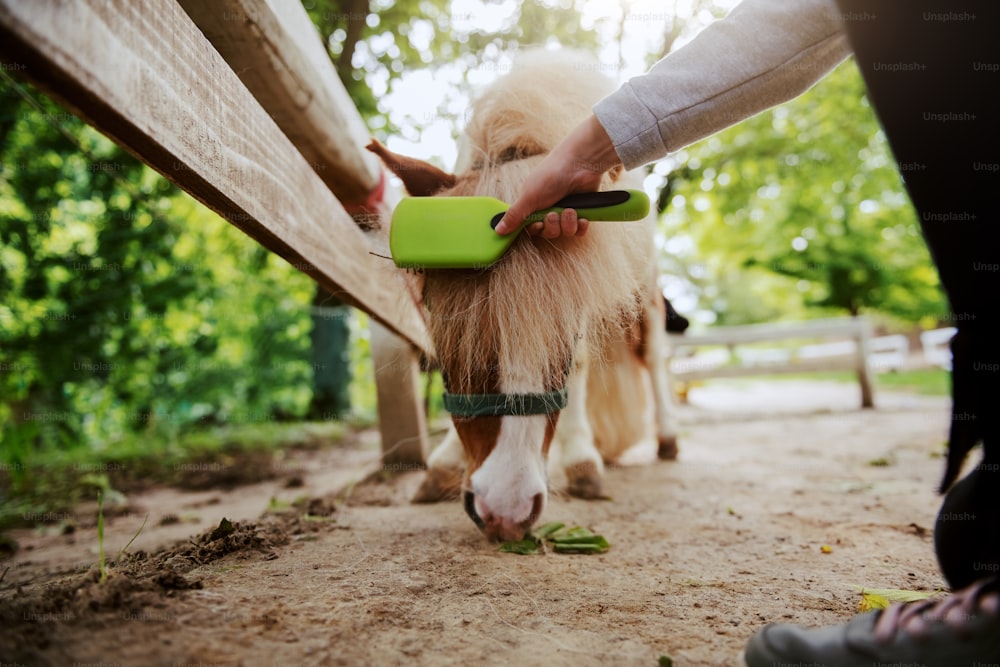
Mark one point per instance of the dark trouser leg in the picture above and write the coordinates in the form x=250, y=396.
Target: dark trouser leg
x=932, y=75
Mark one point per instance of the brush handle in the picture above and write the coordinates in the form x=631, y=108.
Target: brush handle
x=611, y=206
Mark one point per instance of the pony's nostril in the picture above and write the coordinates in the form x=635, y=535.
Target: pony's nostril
x=470, y=509
x=536, y=509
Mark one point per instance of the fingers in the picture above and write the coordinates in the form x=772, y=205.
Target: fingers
x=533, y=199
x=556, y=225
x=520, y=210
x=546, y=186
x=552, y=227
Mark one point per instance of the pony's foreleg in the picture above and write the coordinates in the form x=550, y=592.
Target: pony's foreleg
x=578, y=454
x=655, y=359
x=445, y=471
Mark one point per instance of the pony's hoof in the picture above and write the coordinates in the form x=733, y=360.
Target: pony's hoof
x=444, y=483
x=667, y=450
x=585, y=481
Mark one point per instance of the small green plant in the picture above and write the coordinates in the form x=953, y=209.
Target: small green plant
x=881, y=462
x=122, y=551
x=102, y=563
x=278, y=505
x=100, y=535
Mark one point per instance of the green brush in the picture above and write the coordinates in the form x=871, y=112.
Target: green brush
x=457, y=232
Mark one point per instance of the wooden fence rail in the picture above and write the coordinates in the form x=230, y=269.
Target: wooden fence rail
x=275, y=50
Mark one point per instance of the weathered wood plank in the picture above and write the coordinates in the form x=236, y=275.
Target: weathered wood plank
x=402, y=422
x=276, y=51
x=148, y=78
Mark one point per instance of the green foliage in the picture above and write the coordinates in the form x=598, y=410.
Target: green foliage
x=125, y=306
x=44, y=484
x=930, y=382
x=803, y=204
x=576, y=540
x=87, y=268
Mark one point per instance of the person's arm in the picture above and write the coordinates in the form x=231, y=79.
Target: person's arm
x=763, y=53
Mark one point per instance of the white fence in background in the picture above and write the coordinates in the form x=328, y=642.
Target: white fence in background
x=851, y=348
x=935, y=344
x=826, y=345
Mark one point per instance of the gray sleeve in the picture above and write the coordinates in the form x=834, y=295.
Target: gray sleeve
x=763, y=53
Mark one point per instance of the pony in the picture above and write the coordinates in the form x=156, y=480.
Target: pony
x=560, y=344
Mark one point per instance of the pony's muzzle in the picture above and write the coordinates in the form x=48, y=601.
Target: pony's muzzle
x=500, y=528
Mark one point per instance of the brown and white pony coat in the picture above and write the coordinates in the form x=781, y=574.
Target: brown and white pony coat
x=582, y=313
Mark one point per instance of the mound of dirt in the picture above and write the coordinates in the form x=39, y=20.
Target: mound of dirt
x=33, y=615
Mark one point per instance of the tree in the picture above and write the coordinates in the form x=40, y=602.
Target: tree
x=374, y=43
x=124, y=305
x=807, y=192
x=87, y=264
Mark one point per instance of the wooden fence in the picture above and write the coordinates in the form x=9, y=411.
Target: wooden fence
x=729, y=342
x=237, y=102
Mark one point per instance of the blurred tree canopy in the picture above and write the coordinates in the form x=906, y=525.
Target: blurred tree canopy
x=373, y=43
x=799, y=208
x=125, y=306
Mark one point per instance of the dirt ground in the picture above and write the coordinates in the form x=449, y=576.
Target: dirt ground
x=705, y=550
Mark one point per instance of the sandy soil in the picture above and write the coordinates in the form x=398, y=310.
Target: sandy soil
x=705, y=550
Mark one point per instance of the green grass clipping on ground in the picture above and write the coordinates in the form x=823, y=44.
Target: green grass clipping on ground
x=561, y=540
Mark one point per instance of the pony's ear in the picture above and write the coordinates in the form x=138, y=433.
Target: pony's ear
x=421, y=179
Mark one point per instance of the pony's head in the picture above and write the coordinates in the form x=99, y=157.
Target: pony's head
x=506, y=335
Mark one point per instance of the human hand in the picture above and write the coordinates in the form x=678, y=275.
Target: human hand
x=577, y=164
x=555, y=225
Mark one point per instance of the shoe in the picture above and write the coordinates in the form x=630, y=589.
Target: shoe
x=961, y=630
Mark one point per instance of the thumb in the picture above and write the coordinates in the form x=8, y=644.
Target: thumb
x=525, y=205
x=513, y=218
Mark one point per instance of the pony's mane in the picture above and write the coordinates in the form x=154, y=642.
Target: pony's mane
x=516, y=322
x=532, y=107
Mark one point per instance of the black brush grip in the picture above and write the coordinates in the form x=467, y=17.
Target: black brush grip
x=581, y=200
x=593, y=199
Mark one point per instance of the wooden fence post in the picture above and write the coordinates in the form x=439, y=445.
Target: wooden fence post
x=863, y=366
x=402, y=423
